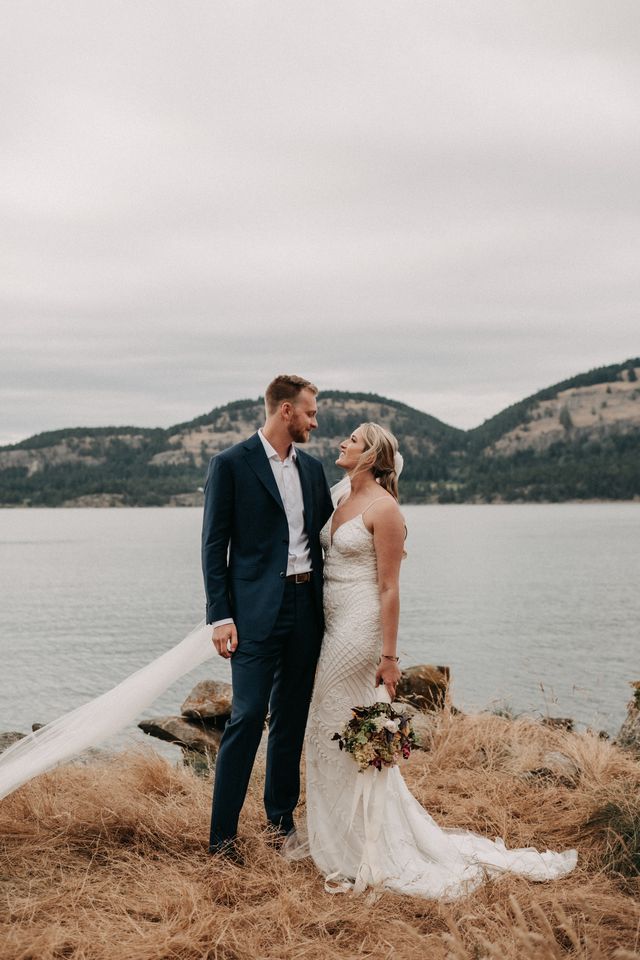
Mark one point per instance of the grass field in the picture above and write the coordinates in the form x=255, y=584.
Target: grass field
x=108, y=860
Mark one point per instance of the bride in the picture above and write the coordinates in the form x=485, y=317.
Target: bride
x=363, y=829
x=367, y=829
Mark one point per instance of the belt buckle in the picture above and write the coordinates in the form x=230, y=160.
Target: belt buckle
x=302, y=577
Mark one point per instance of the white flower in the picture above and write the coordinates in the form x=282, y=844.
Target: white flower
x=391, y=725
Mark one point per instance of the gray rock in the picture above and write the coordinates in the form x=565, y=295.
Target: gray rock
x=424, y=686
x=629, y=734
x=184, y=733
x=209, y=702
x=9, y=738
x=558, y=768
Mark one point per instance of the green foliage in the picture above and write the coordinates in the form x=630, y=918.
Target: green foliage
x=52, y=437
x=405, y=418
x=582, y=470
x=565, y=418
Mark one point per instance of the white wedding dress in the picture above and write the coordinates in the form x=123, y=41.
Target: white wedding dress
x=366, y=828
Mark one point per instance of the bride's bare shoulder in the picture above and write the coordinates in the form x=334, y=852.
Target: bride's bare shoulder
x=384, y=511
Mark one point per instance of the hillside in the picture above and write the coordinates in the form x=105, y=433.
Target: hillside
x=128, y=466
x=578, y=439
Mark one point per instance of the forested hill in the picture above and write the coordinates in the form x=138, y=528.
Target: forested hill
x=578, y=439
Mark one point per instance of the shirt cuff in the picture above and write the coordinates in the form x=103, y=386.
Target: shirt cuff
x=221, y=623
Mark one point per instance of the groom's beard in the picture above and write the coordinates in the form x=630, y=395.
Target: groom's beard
x=298, y=434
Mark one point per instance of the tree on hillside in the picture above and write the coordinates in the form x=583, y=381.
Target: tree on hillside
x=565, y=418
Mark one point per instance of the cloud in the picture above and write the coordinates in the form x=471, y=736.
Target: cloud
x=434, y=202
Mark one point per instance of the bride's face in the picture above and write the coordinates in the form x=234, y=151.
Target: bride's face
x=351, y=450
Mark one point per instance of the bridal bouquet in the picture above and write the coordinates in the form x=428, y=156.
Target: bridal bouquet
x=377, y=736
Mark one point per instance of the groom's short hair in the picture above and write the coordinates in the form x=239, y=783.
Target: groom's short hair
x=285, y=387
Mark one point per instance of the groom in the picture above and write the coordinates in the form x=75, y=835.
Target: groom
x=265, y=504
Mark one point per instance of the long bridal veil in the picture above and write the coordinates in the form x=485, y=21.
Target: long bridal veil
x=98, y=719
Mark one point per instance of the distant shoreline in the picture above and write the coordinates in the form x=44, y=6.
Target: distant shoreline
x=406, y=503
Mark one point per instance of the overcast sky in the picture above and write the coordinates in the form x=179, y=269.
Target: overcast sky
x=438, y=202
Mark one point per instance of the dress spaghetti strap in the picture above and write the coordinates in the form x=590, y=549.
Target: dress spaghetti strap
x=372, y=503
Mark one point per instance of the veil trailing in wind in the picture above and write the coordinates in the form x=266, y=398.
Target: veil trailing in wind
x=100, y=718
x=103, y=716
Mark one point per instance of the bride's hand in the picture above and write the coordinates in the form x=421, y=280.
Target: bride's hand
x=388, y=672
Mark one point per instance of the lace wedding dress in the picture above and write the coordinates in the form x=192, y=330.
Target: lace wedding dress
x=367, y=829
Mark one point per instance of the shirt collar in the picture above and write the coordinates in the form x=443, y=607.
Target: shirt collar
x=273, y=454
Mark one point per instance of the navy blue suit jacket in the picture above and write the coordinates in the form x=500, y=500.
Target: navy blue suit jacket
x=245, y=535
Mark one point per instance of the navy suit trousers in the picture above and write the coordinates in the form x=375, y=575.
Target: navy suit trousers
x=273, y=675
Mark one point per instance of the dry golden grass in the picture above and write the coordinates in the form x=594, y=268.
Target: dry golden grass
x=109, y=861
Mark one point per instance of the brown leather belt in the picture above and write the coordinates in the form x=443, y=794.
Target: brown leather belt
x=299, y=577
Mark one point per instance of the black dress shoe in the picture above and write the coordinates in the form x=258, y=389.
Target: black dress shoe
x=229, y=850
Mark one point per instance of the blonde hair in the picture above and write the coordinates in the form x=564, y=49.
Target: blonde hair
x=379, y=456
x=285, y=387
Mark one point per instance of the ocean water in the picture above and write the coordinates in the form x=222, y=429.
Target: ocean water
x=532, y=606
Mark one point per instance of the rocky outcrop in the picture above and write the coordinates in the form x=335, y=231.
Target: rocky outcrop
x=184, y=733
x=9, y=738
x=207, y=708
x=424, y=686
x=199, y=729
x=70, y=450
x=209, y=702
x=629, y=734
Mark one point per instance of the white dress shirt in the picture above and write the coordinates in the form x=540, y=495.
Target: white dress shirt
x=287, y=479
x=289, y=486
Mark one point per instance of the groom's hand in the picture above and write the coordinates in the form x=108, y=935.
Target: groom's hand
x=225, y=639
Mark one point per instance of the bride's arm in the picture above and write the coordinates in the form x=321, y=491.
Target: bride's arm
x=388, y=539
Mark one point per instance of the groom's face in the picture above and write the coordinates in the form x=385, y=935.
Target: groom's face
x=301, y=416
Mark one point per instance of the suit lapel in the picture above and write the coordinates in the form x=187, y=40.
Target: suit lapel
x=305, y=482
x=259, y=463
